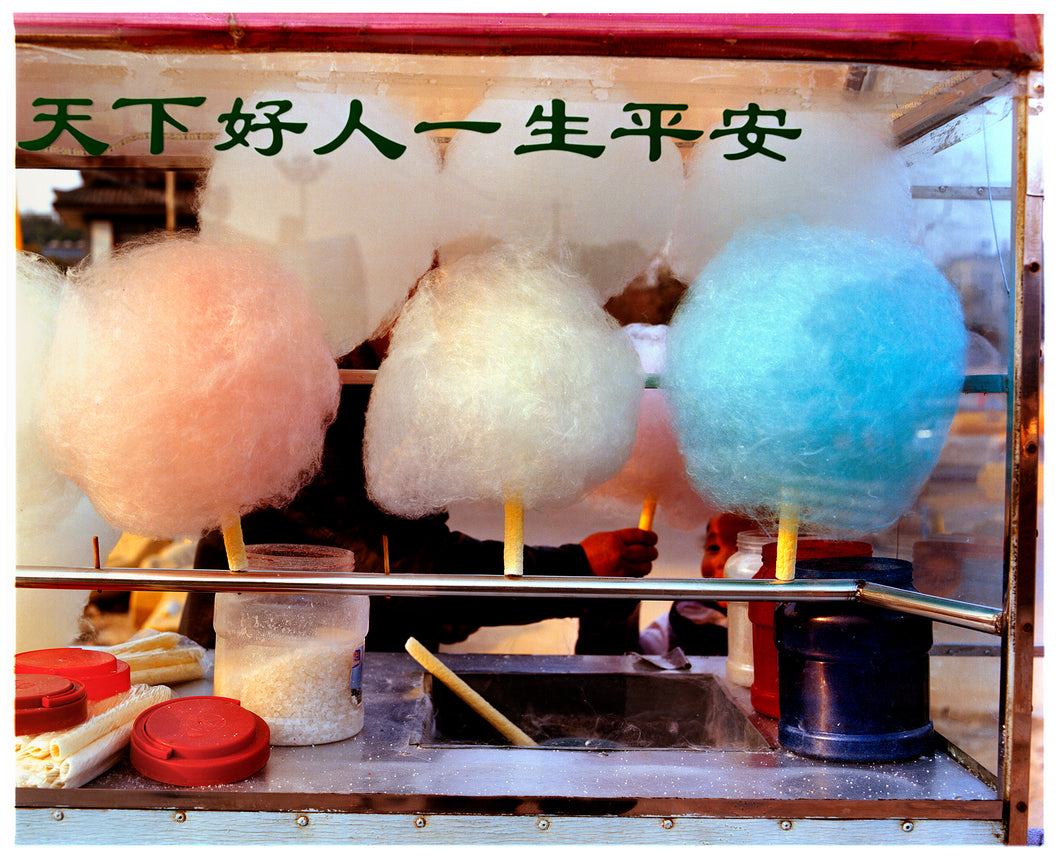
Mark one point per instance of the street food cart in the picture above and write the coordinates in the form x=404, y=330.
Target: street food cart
x=962, y=98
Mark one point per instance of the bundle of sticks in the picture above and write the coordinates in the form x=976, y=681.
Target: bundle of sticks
x=161, y=658
x=69, y=758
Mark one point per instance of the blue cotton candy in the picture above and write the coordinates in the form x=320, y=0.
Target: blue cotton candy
x=816, y=368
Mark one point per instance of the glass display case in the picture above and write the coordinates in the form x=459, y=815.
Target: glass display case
x=366, y=149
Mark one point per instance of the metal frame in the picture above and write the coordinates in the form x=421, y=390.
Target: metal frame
x=1022, y=494
x=1011, y=43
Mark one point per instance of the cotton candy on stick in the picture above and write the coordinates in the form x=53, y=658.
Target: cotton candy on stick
x=505, y=382
x=814, y=374
x=188, y=383
x=355, y=222
x=841, y=169
x=54, y=521
x=610, y=212
x=654, y=475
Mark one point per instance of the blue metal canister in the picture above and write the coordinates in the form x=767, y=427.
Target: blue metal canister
x=853, y=679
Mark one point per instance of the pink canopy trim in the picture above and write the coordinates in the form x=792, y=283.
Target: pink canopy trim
x=971, y=41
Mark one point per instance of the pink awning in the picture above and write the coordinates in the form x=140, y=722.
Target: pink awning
x=930, y=40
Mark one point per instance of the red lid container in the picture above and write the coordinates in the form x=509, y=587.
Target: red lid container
x=199, y=741
x=102, y=674
x=44, y=703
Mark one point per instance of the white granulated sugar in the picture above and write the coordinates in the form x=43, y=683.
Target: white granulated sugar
x=301, y=690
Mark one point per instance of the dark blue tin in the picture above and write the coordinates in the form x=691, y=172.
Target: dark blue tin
x=853, y=679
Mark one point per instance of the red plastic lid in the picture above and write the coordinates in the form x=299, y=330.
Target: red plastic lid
x=813, y=548
x=199, y=741
x=44, y=703
x=102, y=674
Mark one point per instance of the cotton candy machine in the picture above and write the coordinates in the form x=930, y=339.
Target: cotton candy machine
x=675, y=754
x=600, y=710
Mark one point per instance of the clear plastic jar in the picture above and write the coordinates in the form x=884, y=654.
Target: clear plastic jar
x=294, y=659
x=742, y=564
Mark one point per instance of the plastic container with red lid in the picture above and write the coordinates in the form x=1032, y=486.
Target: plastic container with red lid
x=102, y=673
x=199, y=741
x=46, y=703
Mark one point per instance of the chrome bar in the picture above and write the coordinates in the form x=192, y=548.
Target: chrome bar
x=418, y=584
x=357, y=376
x=972, y=383
x=962, y=614
x=970, y=615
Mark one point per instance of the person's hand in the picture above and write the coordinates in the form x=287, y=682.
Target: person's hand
x=628, y=552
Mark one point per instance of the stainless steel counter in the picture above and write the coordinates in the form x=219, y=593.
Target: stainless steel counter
x=392, y=766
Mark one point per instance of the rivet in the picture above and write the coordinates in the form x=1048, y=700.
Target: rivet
x=785, y=825
x=57, y=815
x=543, y=824
x=907, y=827
x=420, y=822
x=668, y=824
x=302, y=821
x=180, y=816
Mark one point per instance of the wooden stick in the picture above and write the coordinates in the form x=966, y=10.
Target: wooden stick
x=647, y=513
x=233, y=537
x=513, y=537
x=386, y=555
x=481, y=707
x=786, y=543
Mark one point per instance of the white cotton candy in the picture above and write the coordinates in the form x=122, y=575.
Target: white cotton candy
x=504, y=379
x=54, y=523
x=610, y=213
x=655, y=469
x=842, y=169
x=187, y=382
x=356, y=226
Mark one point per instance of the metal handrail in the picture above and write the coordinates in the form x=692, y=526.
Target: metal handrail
x=969, y=615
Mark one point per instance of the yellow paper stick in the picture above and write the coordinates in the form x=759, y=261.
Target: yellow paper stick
x=647, y=513
x=233, y=537
x=513, y=537
x=481, y=707
x=786, y=543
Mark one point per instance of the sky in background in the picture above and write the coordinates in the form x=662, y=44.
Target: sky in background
x=35, y=187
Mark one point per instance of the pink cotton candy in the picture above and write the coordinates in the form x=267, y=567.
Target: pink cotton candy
x=187, y=383
x=655, y=468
